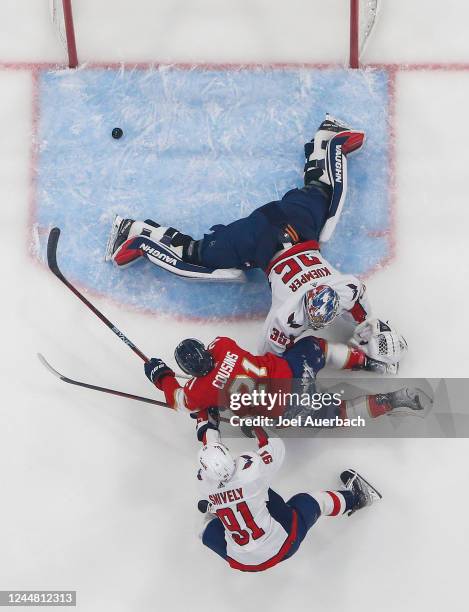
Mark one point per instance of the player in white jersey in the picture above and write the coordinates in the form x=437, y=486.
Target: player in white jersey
x=281, y=237
x=250, y=525
x=308, y=293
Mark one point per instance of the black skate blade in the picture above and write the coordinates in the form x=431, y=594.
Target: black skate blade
x=112, y=238
x=344, y=480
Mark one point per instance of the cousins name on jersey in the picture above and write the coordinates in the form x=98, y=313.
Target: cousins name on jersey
x=226, y=367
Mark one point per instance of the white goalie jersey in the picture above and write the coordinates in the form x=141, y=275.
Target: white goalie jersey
x=291, y=274
x=253, y=537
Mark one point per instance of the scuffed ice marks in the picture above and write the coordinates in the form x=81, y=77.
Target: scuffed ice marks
x=200, y=147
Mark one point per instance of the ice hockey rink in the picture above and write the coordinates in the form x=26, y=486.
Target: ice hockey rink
x=98, y=493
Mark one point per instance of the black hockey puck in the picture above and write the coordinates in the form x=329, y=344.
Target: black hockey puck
x=117, y=133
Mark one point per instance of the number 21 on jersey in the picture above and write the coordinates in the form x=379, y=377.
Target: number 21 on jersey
x=247, y=382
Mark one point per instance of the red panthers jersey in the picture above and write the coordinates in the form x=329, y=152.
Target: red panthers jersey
x=235, y=371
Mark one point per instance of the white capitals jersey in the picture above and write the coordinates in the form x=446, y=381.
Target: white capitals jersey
x=291, y=274
x=253, y=537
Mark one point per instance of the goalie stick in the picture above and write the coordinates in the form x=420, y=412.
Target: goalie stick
x=53, y=266
x=79, y=383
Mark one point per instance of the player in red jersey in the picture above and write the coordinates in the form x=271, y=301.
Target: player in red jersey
x=224, y=368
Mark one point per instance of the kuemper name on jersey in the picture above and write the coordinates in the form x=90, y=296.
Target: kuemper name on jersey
x=310, y=275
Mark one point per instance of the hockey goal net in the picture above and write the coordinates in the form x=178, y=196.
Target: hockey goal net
x=362, y=17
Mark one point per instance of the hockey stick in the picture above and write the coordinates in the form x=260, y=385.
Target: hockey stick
x=52, y=263
x=78, y=383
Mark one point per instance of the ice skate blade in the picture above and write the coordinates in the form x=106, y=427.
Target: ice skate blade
x=112, y=238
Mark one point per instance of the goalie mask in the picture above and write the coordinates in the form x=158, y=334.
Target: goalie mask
x=321, y=306
x=193, y=358
x=216, y=462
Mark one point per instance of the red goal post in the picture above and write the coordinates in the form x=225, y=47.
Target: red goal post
x=62, y=18
x=362, y=17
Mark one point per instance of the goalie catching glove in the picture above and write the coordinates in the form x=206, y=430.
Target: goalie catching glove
x=379, y=341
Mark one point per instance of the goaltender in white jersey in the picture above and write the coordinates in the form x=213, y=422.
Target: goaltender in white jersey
x=304, y=286
x=250, y=525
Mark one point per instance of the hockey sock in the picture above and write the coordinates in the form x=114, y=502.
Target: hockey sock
x=366, y=406
x=334, y=503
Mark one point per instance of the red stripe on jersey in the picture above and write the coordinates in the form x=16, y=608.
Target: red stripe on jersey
x=284, y=550
x=311, y=245
x=356, y=359
x=337, y=504
x=377, y=409
x=323, y=344
x=358, y=312
x=262, y=437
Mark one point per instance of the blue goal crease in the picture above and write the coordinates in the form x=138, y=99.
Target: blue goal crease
x=200, y=147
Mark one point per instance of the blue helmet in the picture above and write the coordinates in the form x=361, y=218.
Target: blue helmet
x=321, y=306
x=193, y=358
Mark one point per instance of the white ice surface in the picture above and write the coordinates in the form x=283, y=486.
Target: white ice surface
x=98, y=493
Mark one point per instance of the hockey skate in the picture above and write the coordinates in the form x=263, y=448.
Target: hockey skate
x=166, y=247
x=334, y=128
x=365, y=493
x=409, y=400
x=330, y=134
x=119, y=234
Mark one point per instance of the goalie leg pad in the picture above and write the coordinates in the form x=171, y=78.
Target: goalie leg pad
x=170, y=258
x=316, y=150
x=165, y=247
x=327, y=163
x=336, y=175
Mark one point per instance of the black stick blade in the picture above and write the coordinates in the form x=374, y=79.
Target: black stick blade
x=48, y=366
x=85, y=385
x=52, y=250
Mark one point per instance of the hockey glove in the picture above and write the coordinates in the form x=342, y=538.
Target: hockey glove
x=206, y=419
x=379, y=341
x=156, y=370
